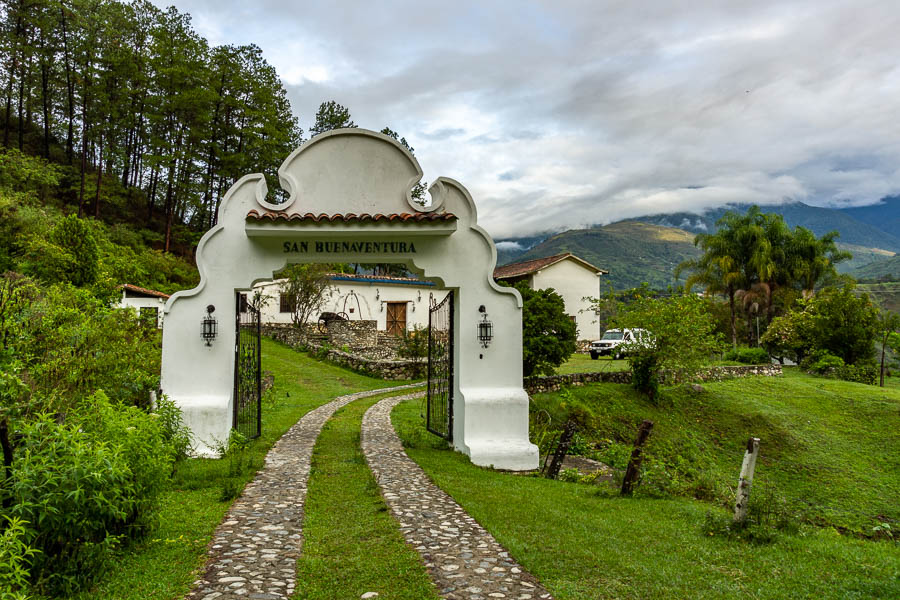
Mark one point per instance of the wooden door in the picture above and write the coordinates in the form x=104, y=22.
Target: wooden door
x=396, y=318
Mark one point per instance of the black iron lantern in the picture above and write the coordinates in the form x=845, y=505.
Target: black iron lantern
x=485, y=328
x=209, y=326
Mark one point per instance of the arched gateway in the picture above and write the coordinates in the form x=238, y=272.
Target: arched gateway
x=350, y=202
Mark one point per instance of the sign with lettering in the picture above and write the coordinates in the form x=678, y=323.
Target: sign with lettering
x=323, y=247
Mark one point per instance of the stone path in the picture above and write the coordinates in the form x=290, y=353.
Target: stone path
x=463, y=559
x=254, y=551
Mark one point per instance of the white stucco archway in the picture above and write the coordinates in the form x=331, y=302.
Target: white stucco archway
x=350, y=202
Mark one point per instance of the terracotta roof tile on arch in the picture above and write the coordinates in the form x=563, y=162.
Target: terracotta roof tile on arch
x=350, y=217
x=533, y=266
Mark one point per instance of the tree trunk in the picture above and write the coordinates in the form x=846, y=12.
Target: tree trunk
x=169, y=209
x=21, y=107
x=99, y=180
x=84, y=133
x=70, y=87
x=151, y=195
x=9, y=87
x=85, y=127
x=733, y=317
x=29, y=113
x=45, y=97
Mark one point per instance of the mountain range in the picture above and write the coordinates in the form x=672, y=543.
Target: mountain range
x=647, y=249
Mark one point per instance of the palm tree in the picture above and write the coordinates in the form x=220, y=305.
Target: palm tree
x=719, y=269
x=813, y=259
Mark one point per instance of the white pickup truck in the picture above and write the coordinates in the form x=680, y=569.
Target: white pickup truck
x=613, y=340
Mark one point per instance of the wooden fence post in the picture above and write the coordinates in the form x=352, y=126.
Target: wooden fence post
x=562, y=448
x=746, y=480
x=637, y=457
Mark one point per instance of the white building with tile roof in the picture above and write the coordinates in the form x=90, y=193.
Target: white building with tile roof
x=149, y=304
x=397, y=304
x=573, y=278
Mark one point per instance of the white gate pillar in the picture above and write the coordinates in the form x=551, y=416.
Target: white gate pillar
x=350, y=202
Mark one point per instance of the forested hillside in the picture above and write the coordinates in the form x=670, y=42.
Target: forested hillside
x=819, y=220
x=632, y=252
x=128, y=93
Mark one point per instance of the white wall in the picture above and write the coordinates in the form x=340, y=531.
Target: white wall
x=573, y=282
x=362, y=300
x=137, y=303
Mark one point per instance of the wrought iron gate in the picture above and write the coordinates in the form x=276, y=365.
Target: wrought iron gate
x=247, y=372
x=439, y=413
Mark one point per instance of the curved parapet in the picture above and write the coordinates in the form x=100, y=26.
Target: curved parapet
x=350, y=171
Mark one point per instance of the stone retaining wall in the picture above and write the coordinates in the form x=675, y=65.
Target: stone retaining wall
x=553, y=383
x=353, y=334
x=391, y=370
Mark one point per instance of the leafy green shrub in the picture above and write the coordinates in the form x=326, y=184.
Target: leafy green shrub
x=768, y=515
x=76, y=494
x=321, y=353
x=71, y=345
x=234, y=450
x=140, y=440
x=15, y=559
x=867, y=374
x=85, y=485
x=574, y=476
x=548, y=335
x=76, y=239
x=615, y=455
x=748, y=356
x=24, y=173
x=680, y=340
x=645, y=373
x=707, y=487
x=174, y=431
x=658, y=480
x=835, y=320
x=414, y=344
x=822, y=362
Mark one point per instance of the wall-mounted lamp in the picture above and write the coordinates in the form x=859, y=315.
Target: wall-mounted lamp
x=209, y=326
x=485, y=328
x=377, y=294
x=419, y=296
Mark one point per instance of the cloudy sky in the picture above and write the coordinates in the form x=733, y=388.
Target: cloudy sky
x=564, y=114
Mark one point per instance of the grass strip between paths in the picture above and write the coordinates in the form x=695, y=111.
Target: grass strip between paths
x=163, y=566
x=352, y=544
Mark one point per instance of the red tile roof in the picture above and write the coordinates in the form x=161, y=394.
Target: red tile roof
x=533, y=266
x=385, y=278
x=350, y=217
x=145, y=291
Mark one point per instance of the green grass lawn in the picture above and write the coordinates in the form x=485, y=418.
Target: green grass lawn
x=582, y=363
x=585, y=544
x=829, y=448
x=164, y=565
x=352, y=544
